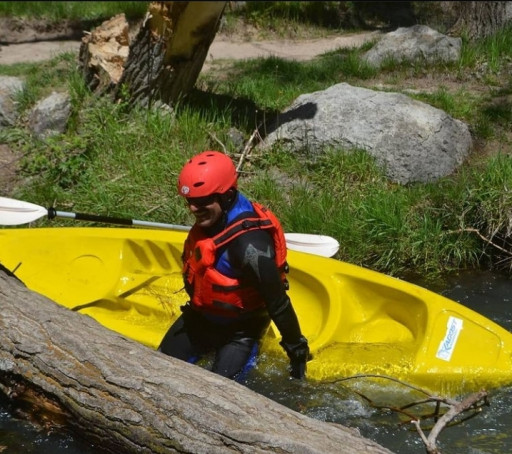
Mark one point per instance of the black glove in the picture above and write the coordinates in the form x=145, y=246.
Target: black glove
x=298, y=353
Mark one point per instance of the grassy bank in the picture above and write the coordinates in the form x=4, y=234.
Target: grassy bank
x=80, y=11
x=124, y=162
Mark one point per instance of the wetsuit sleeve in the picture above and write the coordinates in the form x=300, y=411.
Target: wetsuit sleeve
x=253, y=253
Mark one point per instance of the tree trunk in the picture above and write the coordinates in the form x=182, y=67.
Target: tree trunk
x=169, y=51
x=480, y=19
x=125, y=397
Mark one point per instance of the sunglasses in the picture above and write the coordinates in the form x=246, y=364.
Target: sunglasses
x=200, y=202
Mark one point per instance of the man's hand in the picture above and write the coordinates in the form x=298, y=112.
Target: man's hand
x=299, y=354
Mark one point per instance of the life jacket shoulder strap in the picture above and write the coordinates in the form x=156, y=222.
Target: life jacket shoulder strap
x=279, y=238
x=239, y=227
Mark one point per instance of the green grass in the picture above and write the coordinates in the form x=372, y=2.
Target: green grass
x=388, y=227
x=274, y=83
x=491, y=50
x=320, y=15
x=118, y=161
x=57, y=11
x=276, y=19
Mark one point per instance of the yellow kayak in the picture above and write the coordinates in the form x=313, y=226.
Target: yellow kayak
x=357, y=321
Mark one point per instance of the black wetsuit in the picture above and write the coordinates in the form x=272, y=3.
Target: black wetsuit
x=235, y=340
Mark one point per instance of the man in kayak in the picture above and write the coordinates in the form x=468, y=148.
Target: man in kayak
x=234, y=272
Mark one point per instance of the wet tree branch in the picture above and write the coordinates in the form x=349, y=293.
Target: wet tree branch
x=446, y=410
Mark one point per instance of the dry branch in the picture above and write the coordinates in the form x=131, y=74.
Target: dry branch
x=247, y=149
x=454, y=410
x=474, y=402
x=487, y=240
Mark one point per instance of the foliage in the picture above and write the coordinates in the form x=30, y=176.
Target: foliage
x=57, y=11
x=121, y=161
x=323, y=14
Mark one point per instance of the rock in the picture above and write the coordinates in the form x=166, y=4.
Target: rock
x=9, y=87
x=50, y=115
x=419, y=42
x=410, y=140
x=236, y=138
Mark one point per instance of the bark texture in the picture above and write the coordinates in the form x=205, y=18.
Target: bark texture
x=128, y=398
x=167, y=55
x=159, y=61
x=480, y=19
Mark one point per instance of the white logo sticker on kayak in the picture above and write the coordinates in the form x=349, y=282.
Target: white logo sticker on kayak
x=447, y=345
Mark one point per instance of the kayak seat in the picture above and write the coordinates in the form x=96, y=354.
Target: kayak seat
x=381, y=330
x=378, y=313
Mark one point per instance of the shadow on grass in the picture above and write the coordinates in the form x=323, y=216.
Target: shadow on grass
x=245, y=114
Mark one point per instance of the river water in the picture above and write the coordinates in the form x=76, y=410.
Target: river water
x=487, y=433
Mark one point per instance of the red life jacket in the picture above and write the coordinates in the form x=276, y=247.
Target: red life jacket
x=214, y=292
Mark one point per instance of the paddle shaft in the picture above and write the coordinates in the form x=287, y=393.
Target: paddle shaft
x=53, y=213
x=291, y=242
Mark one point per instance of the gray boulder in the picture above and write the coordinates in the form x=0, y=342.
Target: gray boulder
x=412, y=141
x=9, y=87
x=412, y=44
x=50, y=115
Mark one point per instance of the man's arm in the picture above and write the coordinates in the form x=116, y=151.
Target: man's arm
x=254, y=254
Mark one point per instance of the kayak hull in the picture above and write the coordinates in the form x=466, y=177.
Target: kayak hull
x=358, y=322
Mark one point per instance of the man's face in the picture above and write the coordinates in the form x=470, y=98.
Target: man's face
x=206, y=210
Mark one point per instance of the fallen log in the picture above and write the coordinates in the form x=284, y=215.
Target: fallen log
x=128, y=398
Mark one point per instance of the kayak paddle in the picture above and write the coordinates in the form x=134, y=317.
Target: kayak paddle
x=17, y=212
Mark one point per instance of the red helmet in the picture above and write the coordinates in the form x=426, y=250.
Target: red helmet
x=209, y=172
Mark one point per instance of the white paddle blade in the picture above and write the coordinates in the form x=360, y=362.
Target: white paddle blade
x=322, y=245
x=16, y=212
